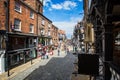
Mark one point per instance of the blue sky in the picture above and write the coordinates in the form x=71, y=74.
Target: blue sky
x=64, y=13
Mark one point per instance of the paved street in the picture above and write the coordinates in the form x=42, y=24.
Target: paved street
x=58, y=68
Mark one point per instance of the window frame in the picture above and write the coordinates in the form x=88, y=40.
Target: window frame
x=18, y=7
x=31, y=14
x=18, y=25
x=43, y=22
x=31, y=28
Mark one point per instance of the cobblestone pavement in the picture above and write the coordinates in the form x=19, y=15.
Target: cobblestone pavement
x=58, y=68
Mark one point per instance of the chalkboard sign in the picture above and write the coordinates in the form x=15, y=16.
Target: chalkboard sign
x=88, y=64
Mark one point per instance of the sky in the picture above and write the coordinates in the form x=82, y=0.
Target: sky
x=64, y=14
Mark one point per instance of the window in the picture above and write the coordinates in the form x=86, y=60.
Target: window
x=31, y=28
x=49, y=25
x=32, y=14
x=42, y=32
x=48, y=33
x=17, y=7
x=41, y=1
x=17, y=25
x=2, y=42
x=43, y=22
x=30, y=41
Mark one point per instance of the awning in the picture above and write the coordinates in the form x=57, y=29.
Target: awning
x=23, y=34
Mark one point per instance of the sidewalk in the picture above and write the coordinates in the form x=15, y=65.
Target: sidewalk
x=25, y=69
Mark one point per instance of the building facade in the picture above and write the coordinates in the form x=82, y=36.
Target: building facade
x=18, y=31
x=104, y=17
x=44, y=30
x=54, y=33
x=22, y=28
x=78, y=37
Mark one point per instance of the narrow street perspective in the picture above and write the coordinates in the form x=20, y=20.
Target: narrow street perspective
x=58, y=68
x=59, y=40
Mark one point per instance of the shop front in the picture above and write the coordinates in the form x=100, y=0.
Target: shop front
x=2, y=50
x=21, y=49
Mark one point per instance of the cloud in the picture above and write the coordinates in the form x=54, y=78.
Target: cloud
x=57, y=6
x=47, y=2
x=68, y=26
x=66, y=5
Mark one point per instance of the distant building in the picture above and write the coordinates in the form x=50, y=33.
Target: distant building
x=61, y=35
x=78, y=36
x=54, y=33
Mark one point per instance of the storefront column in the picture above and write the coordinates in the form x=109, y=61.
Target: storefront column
x=108, y=51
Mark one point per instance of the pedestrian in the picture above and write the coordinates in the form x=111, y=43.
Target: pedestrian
x=67, y=50
x=42, y=56
x=47, y=54
x=58, y=52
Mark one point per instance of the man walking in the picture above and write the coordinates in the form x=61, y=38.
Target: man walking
x=58, y=52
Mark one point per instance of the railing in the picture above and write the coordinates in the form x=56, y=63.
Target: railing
x=115, y=72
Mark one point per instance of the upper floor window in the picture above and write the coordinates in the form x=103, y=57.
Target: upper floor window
x=42, y=31
x=43, y=22
x=32, y=14
x=17, y=24
x=48, y=33
x=17, y=7
x=49, y=25
x=41, y=1
x=31, y=28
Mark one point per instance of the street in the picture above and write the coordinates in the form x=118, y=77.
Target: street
x=58, y=68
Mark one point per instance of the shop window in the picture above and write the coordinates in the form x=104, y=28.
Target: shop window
x=31, y=41
x=2, y=42
x=116, y=51
x=14, y=59
x=21, y=56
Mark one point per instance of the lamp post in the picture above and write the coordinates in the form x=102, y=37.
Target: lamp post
x=6, y=3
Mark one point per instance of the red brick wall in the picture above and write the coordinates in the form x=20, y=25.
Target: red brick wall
x=54, y=34
x=31, y=3
x=2, y=15
x=24, y=16
x=35, y=5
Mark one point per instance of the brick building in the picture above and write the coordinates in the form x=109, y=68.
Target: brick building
x=44, y=28
x=18, y=31
x=61, y=35
x=54, y=34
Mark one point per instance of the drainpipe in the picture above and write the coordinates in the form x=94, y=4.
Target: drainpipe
x=7, y=26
